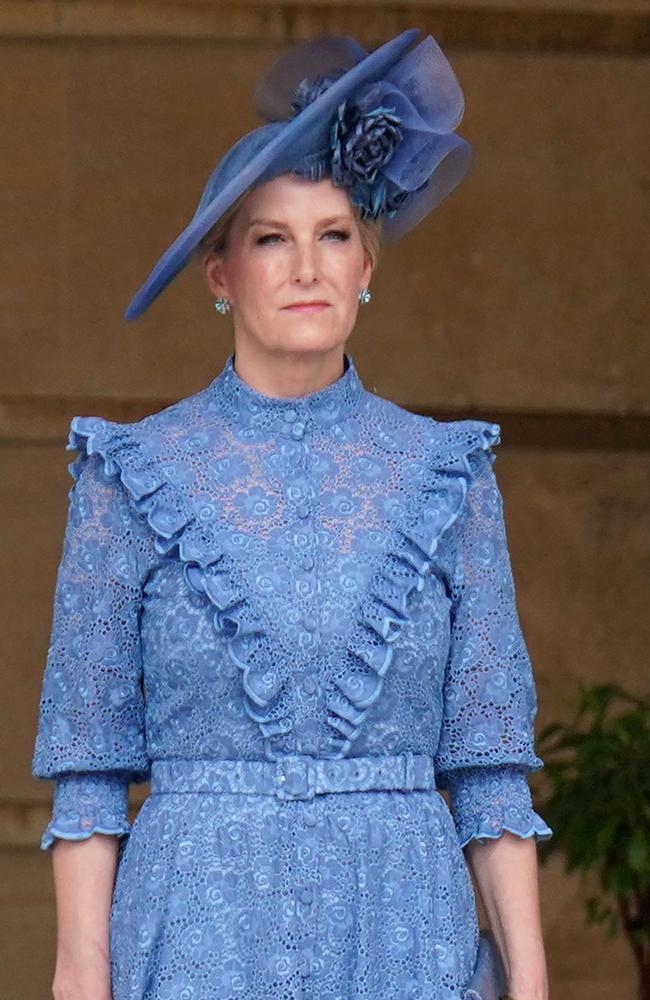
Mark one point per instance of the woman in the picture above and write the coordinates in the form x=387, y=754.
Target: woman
x=288, y=603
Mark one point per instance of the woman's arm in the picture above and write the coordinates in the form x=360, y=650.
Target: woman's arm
x=506, y=874
x=84, y=876
x=487, y=738
x=91, y=734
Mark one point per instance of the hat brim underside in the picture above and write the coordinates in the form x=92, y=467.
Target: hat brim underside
x=289, y=143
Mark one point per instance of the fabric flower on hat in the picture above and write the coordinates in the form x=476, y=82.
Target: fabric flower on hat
x=363, y=138
x=383, y=147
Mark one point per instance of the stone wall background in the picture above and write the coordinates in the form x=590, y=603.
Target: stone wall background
x=523, y=299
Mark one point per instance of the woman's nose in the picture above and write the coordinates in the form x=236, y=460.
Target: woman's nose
x=306, y=264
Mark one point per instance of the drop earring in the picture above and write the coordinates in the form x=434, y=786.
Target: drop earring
x=222, y=305
x=364, y=295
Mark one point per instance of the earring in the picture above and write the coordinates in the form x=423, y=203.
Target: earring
x=222, y=305
x=364, y=295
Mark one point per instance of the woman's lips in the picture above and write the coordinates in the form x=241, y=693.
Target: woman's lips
x=312, y=307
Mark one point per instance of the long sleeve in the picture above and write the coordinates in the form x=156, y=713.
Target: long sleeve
x=91, y=726
x=486, y=743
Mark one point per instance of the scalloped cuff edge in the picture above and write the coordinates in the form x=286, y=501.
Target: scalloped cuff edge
x=541, y=831
x=51, y=834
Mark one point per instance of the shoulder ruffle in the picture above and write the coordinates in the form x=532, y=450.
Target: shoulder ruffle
x=135, y=454
x=451, y=467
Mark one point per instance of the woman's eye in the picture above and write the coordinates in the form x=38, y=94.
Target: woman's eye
x=340, y=234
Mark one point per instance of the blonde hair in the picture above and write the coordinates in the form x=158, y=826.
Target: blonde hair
x=216, y=239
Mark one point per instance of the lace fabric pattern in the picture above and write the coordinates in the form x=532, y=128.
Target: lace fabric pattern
x=246, y=576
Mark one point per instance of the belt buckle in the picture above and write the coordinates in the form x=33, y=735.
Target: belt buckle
x=292, y=777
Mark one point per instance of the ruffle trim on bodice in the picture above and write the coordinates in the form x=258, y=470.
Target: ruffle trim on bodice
x=207, y=568
x=402, y=573
x=136, y=457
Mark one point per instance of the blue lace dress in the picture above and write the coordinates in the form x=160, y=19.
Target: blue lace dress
x=296, y=618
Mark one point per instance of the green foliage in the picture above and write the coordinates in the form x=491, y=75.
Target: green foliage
x=598, y=769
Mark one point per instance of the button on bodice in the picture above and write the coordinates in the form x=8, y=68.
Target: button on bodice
x=324, y=409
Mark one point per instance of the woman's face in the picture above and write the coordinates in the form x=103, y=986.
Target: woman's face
x=292, y=241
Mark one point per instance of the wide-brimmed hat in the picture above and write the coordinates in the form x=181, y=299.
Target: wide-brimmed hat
x=380, y=123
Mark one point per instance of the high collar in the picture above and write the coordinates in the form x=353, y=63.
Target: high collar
x=322, y=408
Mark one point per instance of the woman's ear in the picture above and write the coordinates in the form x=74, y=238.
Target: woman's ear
x=214, y=274
x=367, y=270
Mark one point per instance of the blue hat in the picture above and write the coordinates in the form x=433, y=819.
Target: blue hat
x=380, y=123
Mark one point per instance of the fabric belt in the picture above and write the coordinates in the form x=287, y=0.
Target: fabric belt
x=294, y=776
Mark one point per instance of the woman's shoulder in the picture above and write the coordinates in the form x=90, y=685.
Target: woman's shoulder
x=129, y=450
x=94, y=430
x=465, y=434
x=171, y=415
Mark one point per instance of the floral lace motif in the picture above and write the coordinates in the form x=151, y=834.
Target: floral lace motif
x=245, y=576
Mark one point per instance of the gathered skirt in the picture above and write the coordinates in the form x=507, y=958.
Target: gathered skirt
x=359, y=895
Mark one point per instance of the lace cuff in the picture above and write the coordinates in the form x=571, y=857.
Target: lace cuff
x=86, y=803
x=485, y=801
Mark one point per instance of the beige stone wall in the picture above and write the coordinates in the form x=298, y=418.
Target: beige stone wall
x=523, y=299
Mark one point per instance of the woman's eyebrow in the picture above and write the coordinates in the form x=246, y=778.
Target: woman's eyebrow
x=282, y=225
